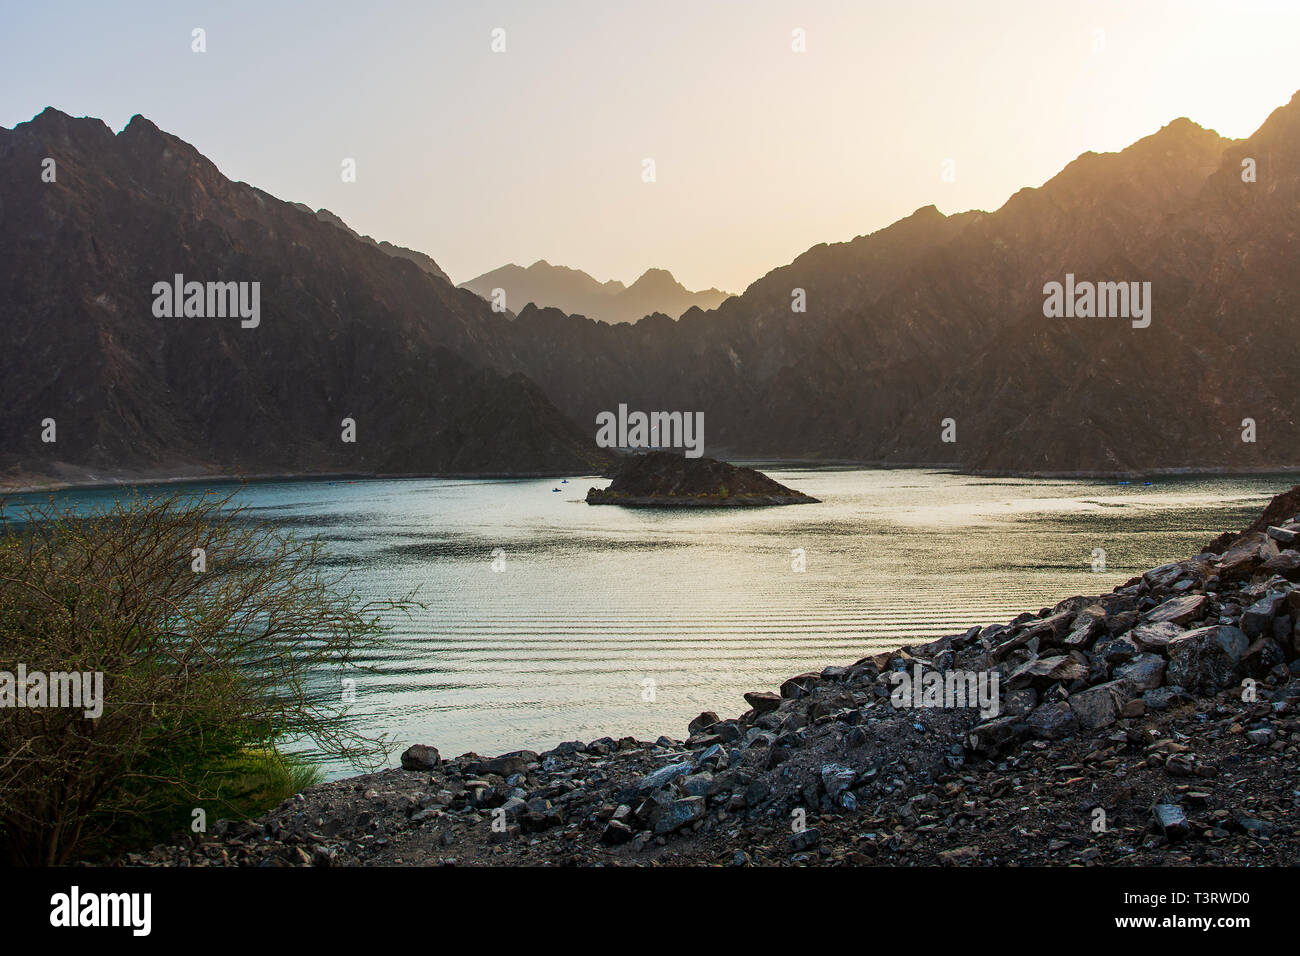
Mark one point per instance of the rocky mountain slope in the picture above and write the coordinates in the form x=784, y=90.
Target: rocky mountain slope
x=930, y=329
x=1158, y=724
x=347, y=329
x=577, y=293
x=938, y=317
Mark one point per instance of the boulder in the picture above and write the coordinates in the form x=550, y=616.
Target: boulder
x=1262, y=656
x=678, y=814
x=702, y=723
x=662, y=777
x=837, y=778
x=1208, y=658
x=798, y=686
x=1095, y=707
x=1179, y=610
x=992, y=737
x=1053, y=720
x=420, y=757
x=762, y=701
x=1155, y=637
x=1257, y=619
x=1144, y=672
x=1047, y=670
x=1171, y=820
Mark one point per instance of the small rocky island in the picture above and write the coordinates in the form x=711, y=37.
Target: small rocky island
x=664, y=479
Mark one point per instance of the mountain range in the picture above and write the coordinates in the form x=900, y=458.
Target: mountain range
x=349, y=330
x=576, y=292
x=930, y=328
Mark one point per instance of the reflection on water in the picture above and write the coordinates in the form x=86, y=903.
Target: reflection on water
x=594, y=604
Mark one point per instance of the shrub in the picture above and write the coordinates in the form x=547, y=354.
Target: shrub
x=199, y=666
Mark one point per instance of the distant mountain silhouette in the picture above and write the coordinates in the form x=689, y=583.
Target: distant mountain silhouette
x=938, y=317
x=577, y=293
x=348, y=329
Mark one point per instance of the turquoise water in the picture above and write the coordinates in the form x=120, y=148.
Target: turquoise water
x=595, y=603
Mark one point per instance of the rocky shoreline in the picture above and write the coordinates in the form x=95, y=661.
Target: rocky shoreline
x=1158, y=724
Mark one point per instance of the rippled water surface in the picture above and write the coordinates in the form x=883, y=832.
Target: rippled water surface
x=595, y=603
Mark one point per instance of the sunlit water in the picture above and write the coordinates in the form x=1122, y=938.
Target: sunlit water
x=630, y=622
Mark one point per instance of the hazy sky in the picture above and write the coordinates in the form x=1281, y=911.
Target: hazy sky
x=481, y=158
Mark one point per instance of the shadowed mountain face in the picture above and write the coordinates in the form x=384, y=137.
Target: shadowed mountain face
x=929, y=319
x=347, y=329
x=942, y=317
x=575, y=292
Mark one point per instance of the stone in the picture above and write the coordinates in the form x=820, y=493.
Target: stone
x=805, y=839
x=678, y=814
x=1257, y=619
x=757, y=792
x=420, y=757
x=713, y=758
x=699, y=784
x=959, y=855
x=1285, y=563
x=1242, y=558
x=1208, y=658
x=662, y=777
x=1144, y=672
x=616, y=832
x=1052, y=721
x=702, y=723
x=1155, y=637
x=1047, y=670
x=1262, y=656
x=1095, y=707
x=1286, y=537
x=1179, y=610
x=1020, y=702
x=1121, y=649
x=837, y=778
x=1171, y=820
x=763, y=701
x=507, y=764
x=799, y=686
x=995, y=736
x=1162, y=698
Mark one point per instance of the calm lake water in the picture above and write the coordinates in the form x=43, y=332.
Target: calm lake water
x=594, y=603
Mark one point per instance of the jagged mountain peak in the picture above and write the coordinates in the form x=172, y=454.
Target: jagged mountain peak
x=578, y=293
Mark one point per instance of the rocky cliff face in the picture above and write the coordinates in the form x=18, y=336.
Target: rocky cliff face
x=346, y=330
x=942, y=317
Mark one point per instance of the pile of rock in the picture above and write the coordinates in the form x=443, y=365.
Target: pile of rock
x=1193, y=627
x=1169, y=703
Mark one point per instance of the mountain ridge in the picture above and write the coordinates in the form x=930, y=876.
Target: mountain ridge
x=929, y=318
x=347, y=331
x=576, y=292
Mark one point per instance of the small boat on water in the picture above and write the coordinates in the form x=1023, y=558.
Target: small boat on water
x=555, y=489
